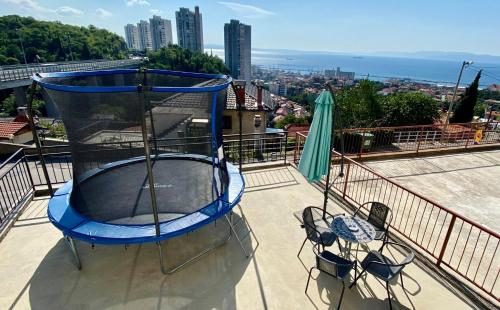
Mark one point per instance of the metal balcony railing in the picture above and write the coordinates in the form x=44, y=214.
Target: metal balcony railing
x=451, y=240
x=414, y=139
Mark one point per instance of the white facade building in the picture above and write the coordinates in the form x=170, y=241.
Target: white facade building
x=145, y=41
x=190, y=29
x=132, y=36
x=161, y=32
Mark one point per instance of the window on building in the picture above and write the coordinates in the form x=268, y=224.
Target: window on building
x=227, y=122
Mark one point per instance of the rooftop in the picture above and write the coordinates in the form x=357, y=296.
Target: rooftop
x=41, y=273
x=251, y=103
x=11, y=128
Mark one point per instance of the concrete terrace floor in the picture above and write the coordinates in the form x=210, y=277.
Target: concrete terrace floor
x=38, y=272
x=468, y=183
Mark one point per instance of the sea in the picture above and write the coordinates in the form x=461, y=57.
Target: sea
x=432, y=71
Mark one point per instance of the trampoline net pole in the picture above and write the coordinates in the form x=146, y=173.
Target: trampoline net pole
x=148, y=159
x=239, y=91
x=36, y=138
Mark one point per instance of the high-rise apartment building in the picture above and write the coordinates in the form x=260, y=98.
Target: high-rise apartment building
x=238, y=49
x=189, y=29
x=145, y=41
x=161, y=32
x=132, y=36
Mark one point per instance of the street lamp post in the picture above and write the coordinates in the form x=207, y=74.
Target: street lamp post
x=450, y=108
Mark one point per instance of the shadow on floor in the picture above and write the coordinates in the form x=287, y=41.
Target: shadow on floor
x=115, y=276
x=329, y=290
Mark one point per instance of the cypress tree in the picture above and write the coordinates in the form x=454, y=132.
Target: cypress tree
x=464, y=108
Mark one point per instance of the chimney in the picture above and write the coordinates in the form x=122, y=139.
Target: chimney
x=260, y=86
x=22, y=111
x=239, y=86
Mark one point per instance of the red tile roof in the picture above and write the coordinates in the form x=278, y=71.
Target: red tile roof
x=10, y=128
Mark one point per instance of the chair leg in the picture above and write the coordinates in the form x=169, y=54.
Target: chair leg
x=402, y=284
x=302, y=247
x=341, y=295
x=356, y=279
x=338, y=243
x=388, y=294
x=308, y=278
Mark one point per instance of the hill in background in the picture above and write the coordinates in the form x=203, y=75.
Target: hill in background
x=54, y=41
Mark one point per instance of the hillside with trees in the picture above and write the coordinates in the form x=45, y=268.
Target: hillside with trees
x=54, y=41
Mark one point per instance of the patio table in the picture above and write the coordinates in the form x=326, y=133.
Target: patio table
x=353, y=230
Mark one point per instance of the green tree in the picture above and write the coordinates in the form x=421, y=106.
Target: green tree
x=177, y=58
x=360, y=105
x=9, y=106
x=51, y=41
x=479, y=109
x=291, y=119
x=406, y=109
x=463, y=111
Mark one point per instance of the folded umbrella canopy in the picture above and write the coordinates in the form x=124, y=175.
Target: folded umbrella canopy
x=314, y=162
x=317, y=154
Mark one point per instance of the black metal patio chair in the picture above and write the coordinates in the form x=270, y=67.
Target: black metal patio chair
x=380, y=216
x=317, y=234
x=384, y=268
x=334, y=266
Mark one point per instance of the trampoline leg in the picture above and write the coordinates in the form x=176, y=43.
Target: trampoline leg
x=197, y=256
x=162, y=266
x=236, y=235
x=74, y=251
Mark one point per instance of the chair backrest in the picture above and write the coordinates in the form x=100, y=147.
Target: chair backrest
x=327, y=266
x=378, y=214
x=309, y=225
x=410, y=256
x=408, y=259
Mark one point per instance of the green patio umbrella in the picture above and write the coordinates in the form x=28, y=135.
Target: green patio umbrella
x=317, y=154
x=314, y=160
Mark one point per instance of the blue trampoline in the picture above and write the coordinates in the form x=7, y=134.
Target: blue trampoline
x=147, y=154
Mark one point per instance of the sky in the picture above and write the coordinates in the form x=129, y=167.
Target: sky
x=361, y=26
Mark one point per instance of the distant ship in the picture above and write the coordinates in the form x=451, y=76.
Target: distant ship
x=358, y=57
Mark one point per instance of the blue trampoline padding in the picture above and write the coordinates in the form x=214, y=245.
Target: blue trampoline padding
x=40, y=78
x=72, y=224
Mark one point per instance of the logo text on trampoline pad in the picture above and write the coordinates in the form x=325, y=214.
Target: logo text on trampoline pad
x=157, y=185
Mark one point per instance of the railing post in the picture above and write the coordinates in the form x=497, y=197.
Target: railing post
x=362, y=145
x=295, y=149
x=418, y=138
x=446, y=239
x=28, y=169
x=286, y=146
x=468, y=136
x=346, y=178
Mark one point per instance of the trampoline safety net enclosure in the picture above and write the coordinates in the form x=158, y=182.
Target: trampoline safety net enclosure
x=146, y=148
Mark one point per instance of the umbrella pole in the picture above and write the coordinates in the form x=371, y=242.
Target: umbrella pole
x=332, y=131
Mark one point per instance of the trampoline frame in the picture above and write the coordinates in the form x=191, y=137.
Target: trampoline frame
x=140, y=89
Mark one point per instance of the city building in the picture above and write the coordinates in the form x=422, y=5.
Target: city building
x=278, y=88
x=190, y=29
x=494, y=87
x=342, y=75
x=132, y=37
x=238, y=48
x=145, y=41
x=161, y=32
